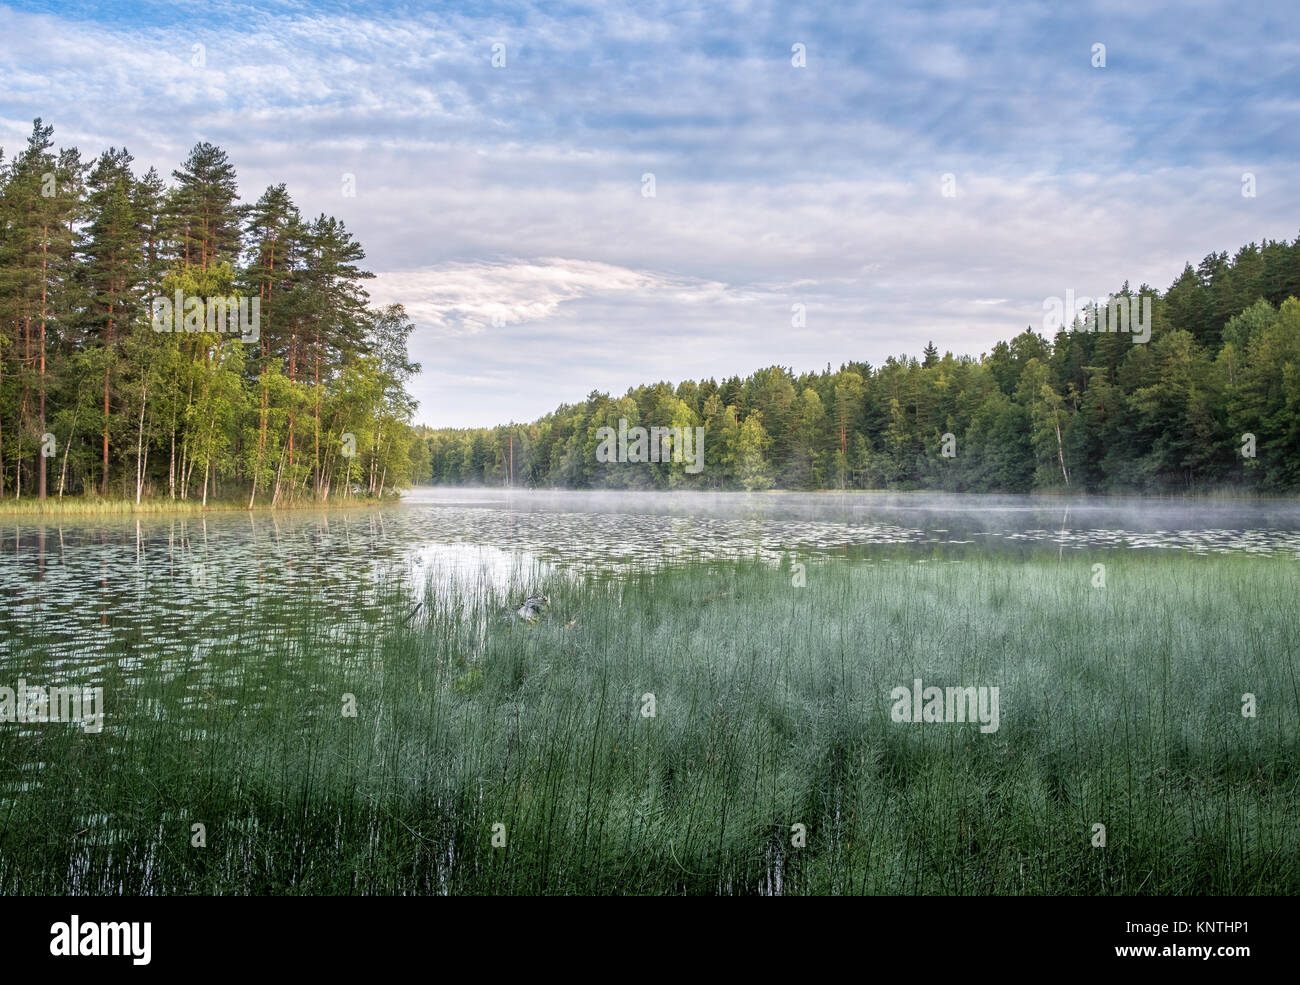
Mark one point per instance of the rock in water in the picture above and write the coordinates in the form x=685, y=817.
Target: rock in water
x=531, y=607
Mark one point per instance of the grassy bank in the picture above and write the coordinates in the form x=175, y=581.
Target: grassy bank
x=94, y=506
x=1118, y=706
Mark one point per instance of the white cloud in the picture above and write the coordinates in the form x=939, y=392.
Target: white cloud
x=513, y=195
x=469, y=297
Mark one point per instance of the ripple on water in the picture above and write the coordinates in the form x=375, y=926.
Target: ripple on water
x=161, y=591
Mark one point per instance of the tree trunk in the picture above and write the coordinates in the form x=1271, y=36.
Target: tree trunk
x=40, y=465
x=139, y=445
x=1060, y=453
x=171, y=464
x=253, y=494
x=108, y=358
x=275, y=493
x=63, y=476
x=2, y=443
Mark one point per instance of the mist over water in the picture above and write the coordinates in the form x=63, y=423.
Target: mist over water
x=600, y=528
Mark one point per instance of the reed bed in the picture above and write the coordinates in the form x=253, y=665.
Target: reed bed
x=1119, y=706
x=79, y=506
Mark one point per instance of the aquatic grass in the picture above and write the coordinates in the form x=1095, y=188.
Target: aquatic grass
x=91, y=506
x=1118, y=706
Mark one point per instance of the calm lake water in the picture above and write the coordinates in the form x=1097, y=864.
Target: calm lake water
x=166, y=585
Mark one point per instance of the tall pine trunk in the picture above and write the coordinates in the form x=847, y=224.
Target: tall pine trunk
x=40, y=465
x=108, y=361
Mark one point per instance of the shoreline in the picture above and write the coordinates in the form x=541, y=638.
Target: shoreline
x=77, y=506
x=1046, y=496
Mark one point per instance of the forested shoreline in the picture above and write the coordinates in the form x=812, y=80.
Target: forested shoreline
x=1211, y=401
x=96, y=402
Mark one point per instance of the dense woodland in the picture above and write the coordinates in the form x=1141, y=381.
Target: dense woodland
x=1083, y=411
x=93, y=401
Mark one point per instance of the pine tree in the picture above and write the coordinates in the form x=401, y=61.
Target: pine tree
x=205, y=216
x=112, y=251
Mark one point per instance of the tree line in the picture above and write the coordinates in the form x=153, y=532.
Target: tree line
x=95, y=401
x=1212, y=399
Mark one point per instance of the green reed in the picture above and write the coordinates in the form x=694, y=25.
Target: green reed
x=1118, y=706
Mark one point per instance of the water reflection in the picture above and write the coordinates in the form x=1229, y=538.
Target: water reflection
x=587, y=530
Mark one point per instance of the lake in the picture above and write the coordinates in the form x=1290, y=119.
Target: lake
x=170, y=584
x=264, y=674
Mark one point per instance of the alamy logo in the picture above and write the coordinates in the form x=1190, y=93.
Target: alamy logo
x=954, y=704
x=658, y=444
x=29, y=703
x=90, y=940
x=1108, y=314
x=222, y=316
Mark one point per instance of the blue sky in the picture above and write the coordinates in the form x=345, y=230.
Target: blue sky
x=504, y=207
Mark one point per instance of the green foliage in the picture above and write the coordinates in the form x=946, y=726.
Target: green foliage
x=1083, y=412
x=137, y=413
x=1119, y=706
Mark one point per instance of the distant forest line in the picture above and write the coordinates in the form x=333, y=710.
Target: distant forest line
x=1211, y=400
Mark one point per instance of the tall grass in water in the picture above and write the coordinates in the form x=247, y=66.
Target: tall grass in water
x=96, y=506
x=1118, y=706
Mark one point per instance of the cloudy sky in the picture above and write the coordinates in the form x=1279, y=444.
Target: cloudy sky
x=507, y=207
